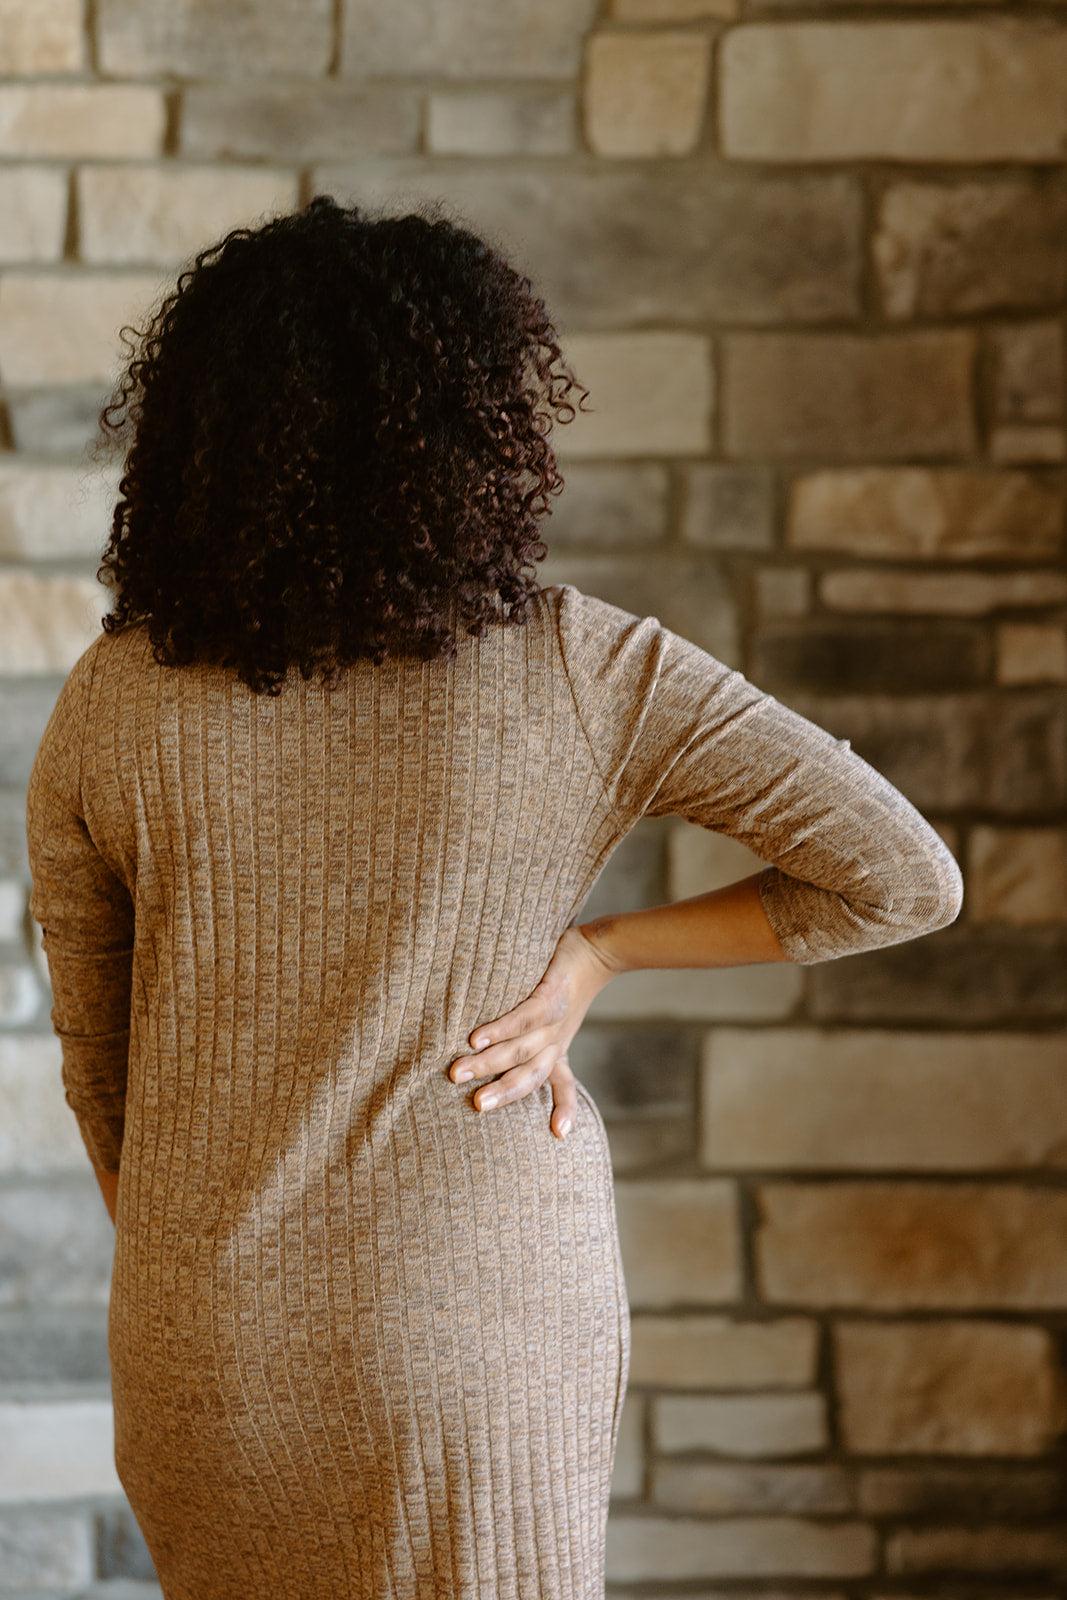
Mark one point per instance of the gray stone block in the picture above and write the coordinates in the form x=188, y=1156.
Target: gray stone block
x=45, y=1345
x=57, y=1242
x=42, y=1547
x=730, y=508
x=14, y=861
x=189, y=39
x=465, y=38
x=613, y=248
x=635, y=1071
x=121, y=1549
x=58, y=422
x=318, y=123
x=609, y=505
x=25, y=708
x=870, y=655
x=691, y=596
x=633, y=877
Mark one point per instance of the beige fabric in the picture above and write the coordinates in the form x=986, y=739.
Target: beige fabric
x=366, y=1341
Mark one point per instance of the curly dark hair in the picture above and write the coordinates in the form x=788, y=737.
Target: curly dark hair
x=336, y=439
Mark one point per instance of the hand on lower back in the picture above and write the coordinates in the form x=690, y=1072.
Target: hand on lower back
x=528, y=1045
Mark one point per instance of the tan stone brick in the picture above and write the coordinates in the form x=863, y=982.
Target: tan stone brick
x=679, y=1241
x=1017, y=875
x=669, y=1549
x=645, y=93
x=782, y=591
x=672, y=10
x=57, y=1449
x=610, y=505
x=947, y=513
x=650, y=394
x=478, y=122
x=729, y=507
x=972, y=594
x=970, y=1549
x=46, y=623
x=627, y=1479
x=700, y=1352
x=856, y=396
x=699, y=860
x=686, y=592
x=1027, y=444
x=33, y=204
x=43, y=37
x=853, y=1099
x=948, y=1388
x=465, y=38
x=320, y=122
x=1031, y=652
x=741, y=1425
x=55, y=511
x=1029, y=372
x=895, y=1246
x=63, y=327
x=967, y=247
x=943, y=1491
x=38, y=1133
x=151, y=214
x=904, y=91
x=80, y=120
x=187, y=38
x=728, y=1487
x=735, y=994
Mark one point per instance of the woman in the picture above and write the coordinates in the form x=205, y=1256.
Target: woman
x=309, y=828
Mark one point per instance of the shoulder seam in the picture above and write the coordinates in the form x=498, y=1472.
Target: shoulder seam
x=578, y=713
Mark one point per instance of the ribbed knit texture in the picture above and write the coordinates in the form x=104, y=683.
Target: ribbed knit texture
x=366, y=1341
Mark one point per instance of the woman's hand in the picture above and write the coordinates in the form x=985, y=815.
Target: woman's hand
x=528, y=1045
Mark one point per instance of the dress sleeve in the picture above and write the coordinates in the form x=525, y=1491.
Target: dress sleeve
x=675, y=732
x=86, y=914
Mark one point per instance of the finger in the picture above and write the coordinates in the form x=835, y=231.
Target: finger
x=498, y=1058
x=516, y=1084
x=565, y=1101
x=520, y=1019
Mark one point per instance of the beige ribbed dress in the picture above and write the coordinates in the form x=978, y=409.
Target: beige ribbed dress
x=366, y=1341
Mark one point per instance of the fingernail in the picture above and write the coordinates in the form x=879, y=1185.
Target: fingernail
x=487, y=1102
x=479, y=1044
x=462, y=1075
x=565, y=1127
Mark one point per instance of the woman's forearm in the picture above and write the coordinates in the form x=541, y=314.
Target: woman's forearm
x=726, y=928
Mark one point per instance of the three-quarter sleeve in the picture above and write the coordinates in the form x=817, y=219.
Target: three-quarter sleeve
x=86, y=915
x=852, y=864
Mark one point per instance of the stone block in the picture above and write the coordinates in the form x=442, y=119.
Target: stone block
x=809, y=1099
x=123, y=1553
x=12, y=911
x=13, y=856
x=782, y=591
x=42, y=1545
x=63, y=327
x=465, y=38
x=856, y=396
x=81, y=121
x=50, y=512
x=726, y=1488
x=486, y=122
x=55, y=1450
x=650, y=1145
x=188, y=39
x=672, y=10
x=19, y=999
x=632, y=876
x=972, y=594
x=33, y=203
x=56, y=1242
x=44, y=37
x=1005, y=753
x=672, y=1549
x=47, y=623
x=637, y=1071
x=884, y=1246
x=38, y=1131
x=1015, y=1492
x=729, y=994
x=702, y=1352
x=1029, y=368
x=740, y=1424
x=730, y=508
x=628, y=1476
x=646, y=93
x=320, y=122
x=1028, y=444
x=1017, y=875
x=153, y=214
x=896, y=91
x=48, y=1346
x=616, y=244
x=688, y=593
x=947, y=1388
x=968, y=1549
x=971, y=976
x=699, y=860
x=24, y=712
x=955, y=249
x=1031, y=652
x=953, y=514
x=650, y=394
x=869, y=656
x=679, y=1241
x=59, y=422
x=610, y=505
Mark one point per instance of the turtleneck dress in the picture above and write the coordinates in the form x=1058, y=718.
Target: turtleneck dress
x=366, y=1342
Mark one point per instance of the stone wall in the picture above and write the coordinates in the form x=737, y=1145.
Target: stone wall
x=812, y=263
